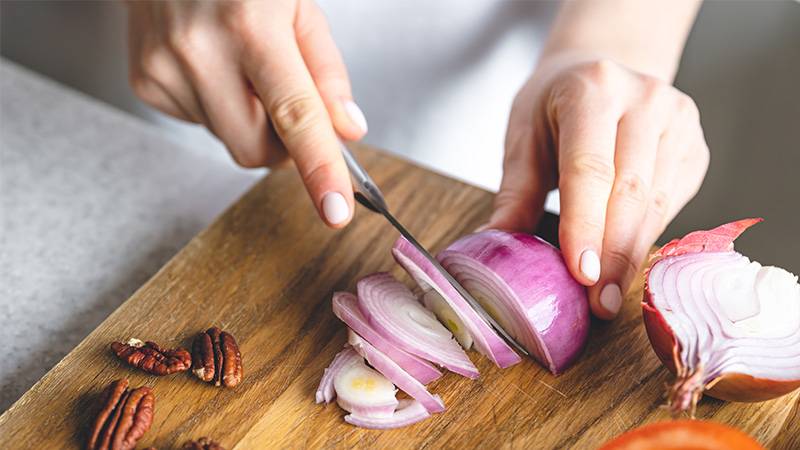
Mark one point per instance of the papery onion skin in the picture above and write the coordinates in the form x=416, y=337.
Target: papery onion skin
x=551, y=308
x=728, y=386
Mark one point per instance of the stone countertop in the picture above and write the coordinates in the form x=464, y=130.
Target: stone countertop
x=93, y=202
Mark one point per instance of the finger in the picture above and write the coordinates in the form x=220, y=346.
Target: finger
x=233, y=113
x=279, y=75
x=324, y=62
x=586, y=142
x=638, y=135
x=518, y=205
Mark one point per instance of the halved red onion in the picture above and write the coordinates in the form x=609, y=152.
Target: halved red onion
x=325, y=391
x=345, y=306
x=485, y=339
x=722, y=323
x=395, y=373
x=523, y=282
x=393, y=310
x=408, y=412
x=363, y=391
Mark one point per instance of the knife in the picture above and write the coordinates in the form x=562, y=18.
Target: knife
x=370, y=196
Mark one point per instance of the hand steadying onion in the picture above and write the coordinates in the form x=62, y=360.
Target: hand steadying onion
x=722, y=324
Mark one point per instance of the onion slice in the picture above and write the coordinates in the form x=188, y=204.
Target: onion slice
x=363, y=391
x=408, y=412
x=436, y=303
x=486, y=340
x=345, y=306
x=394, y=311
x=722, y=323
x=395, y=373
x=523, y=282
x=325, y=391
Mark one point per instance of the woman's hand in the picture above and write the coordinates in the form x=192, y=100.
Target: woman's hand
x=265, y=77
x=626, y=151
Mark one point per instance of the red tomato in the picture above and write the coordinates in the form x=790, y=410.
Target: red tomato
x=683, y=435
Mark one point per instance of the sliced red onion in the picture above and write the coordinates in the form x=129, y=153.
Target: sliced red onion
x=345, y=306
x=428, y=277
x=397, y=315
x=523, y=282
x=721, y=321
x=436, y=303
x=364, y=391
x=408, y=412
x=325, y=391
x=395, y=373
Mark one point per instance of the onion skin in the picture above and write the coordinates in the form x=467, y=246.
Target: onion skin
x=552, y=308
x=728, y=386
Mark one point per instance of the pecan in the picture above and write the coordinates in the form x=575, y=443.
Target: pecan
x=216, y=358
x=151, y=358
x=125, y=416
x=203, y=443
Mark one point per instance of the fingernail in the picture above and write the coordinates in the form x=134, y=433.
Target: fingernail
x=590, y=265
x=335, y=208
x=356, y=115
x=611, y=298
x=481, y=228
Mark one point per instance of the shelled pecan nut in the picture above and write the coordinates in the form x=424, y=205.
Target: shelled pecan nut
x=203, y=443
x=151, y=358
x=125, y=416
x=216, y=358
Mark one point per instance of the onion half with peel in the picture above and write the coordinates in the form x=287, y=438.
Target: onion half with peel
x=395, y=373
x=345, y=307
x=394, y=311
x=523, y=282
x=724, y=325
x=485, y=339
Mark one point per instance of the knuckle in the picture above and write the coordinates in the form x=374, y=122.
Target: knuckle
x=631, y=187
x=294, y=114
x=654, y=91
x=621, y=259
x=249, y=159
x=589, y=166
x=601, y=71
x=318, y=171
x=659, y=205
x=687, y=107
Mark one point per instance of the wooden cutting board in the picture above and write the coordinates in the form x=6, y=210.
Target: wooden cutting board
x=265, y=271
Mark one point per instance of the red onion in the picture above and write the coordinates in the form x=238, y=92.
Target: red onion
x=408, y=412
x=724, y=325
x=397, y=315
x=485, y=339
x=524, y=283
x=395, y=373
x=361, y=390
x=325, y=392
x=345, y=306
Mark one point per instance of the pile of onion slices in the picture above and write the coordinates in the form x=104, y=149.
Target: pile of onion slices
x=723, y=324
x=397, y=341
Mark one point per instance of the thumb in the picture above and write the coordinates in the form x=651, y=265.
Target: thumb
x=324, y=62
x=518, y=205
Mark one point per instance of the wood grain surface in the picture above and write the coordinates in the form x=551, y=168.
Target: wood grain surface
x=265, y=271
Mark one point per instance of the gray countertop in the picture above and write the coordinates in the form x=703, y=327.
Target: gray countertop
x=92, y=203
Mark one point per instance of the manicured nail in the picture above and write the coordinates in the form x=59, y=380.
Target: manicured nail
x=481, y=228
x=356, y=115
x=611, y=298
x=335, y=208
x=590, y=265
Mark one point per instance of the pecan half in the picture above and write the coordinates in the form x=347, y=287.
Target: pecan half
x=203, y=443
x=125, y=416
x=151, y=358
x=216, y=358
